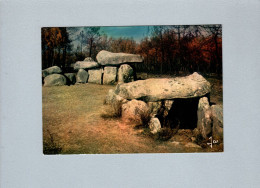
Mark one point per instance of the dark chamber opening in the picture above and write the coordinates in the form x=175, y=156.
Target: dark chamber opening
x=183, y=114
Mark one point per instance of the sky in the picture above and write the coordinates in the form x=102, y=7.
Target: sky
x=135, y=32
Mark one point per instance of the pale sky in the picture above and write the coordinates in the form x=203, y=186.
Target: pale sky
x=135, y=32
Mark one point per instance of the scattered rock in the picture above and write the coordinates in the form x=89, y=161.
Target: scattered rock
x=204, y=117
x=82, y=76
x=217, y=118
x=110, y=75
x=125, y=74
x=88, y=63
x=51, y=70
x=55, y=80
x=95, y=76
x=109, y=58
x=133, y=111
x=71, y=77
x=154, y=125
x=190, y=86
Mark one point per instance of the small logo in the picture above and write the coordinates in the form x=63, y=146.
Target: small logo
x=212, y=142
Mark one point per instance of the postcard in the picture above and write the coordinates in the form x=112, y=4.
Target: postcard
x=132, y=89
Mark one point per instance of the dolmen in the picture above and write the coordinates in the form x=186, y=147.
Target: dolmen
x=169, y=101
x=110, y=68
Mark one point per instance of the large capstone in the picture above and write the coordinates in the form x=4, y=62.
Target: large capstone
x=125, y=74
x=190, y=86
x=109, y=58
x=204, y=117
x=82, y=76
x=110, y=75
x=88, y=63
x=95, y=76
x=51, y=70
x=55, y=80
x=134, y=111
x=217, y=118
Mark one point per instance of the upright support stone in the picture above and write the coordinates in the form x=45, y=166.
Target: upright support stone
x=204, y=117
x=95, y=76
x=125, y=74
x=217, y=118
x=71, y=77
x=82, y=76
x=110, y=75
x=168, y=106
x=154, y=107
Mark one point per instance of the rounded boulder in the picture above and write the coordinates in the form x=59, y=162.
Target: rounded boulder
x=55, y=80
x=134, y=111
x=51, y=70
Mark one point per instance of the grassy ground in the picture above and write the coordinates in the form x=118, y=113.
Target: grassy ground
x=72, y=124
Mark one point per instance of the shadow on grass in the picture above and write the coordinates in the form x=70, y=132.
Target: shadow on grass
x=50, y=147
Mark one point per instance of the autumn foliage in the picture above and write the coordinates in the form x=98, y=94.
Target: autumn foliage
x=166, y=49
x=183, y=48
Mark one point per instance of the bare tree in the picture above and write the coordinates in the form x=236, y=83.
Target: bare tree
x=215, y=31
x=92, y=36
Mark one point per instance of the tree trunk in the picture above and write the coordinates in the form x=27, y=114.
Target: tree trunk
x=217, y=54
x=52, y=57
x=58, y=58
x=90, y=47
x=64, y=53
x=179, y=53
x=162, y=50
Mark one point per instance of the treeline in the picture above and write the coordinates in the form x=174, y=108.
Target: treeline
x=183, y=48
x=166, y=49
